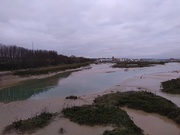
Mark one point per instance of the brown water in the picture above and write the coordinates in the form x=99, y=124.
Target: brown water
x=153, y=124
x=71, y=128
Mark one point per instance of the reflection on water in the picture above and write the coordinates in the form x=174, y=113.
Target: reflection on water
x=93, y=80
x=26, y=89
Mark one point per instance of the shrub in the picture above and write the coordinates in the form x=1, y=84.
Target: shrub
x=72, y=97
x=103, y=115
x=142, y=100
x=30, y=124
x=171, y=86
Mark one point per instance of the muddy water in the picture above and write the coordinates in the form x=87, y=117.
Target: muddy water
x=71, y=128
x=153, y=124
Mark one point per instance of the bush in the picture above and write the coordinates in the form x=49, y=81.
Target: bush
x=72, y=97
x=30, y=124
x=103, y=115
x=142, y=100
x=171, y=86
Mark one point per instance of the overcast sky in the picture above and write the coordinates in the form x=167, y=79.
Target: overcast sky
x=94, y=28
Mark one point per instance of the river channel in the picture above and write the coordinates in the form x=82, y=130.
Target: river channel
x=88, y=81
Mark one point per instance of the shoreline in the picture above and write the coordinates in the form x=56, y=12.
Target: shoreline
x=20, y=109
x=149, y=82
x=7, y=80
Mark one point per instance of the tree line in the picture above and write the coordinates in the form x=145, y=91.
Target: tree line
x=13, y=57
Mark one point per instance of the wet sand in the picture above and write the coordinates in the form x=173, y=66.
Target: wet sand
x=150, y=82
x=8, y=80
x=25, y=109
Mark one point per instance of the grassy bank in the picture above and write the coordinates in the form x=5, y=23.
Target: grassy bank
x=103, y=115
x=29, y=125
x=145, y=101
x=46, y=70
x=138, y=64
x=171, y=86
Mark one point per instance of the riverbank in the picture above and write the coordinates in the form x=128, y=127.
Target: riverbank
x=139, y=64
x=50, y=69
x=20, y=109
x=9, y=79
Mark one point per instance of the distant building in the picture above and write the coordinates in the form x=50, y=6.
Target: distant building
x=104, y=60
x=174, y=60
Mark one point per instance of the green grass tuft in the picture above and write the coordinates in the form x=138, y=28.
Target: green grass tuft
x=103, y=115
x=30, y=124
x=142, y=100
x=171, y=86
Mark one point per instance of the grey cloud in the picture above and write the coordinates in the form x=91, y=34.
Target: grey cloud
x=94, y=28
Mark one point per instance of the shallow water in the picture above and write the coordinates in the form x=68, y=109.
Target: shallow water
x=26, y=89
x=153, y=124
x=93, y=80
x=71, y=128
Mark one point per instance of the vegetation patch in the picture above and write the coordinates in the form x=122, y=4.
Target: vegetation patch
x=105, y=115
x=138, y=64
x=30, y=124
x=46, y=70
x=171, y=86
x=72, y=97
x=142, y=100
